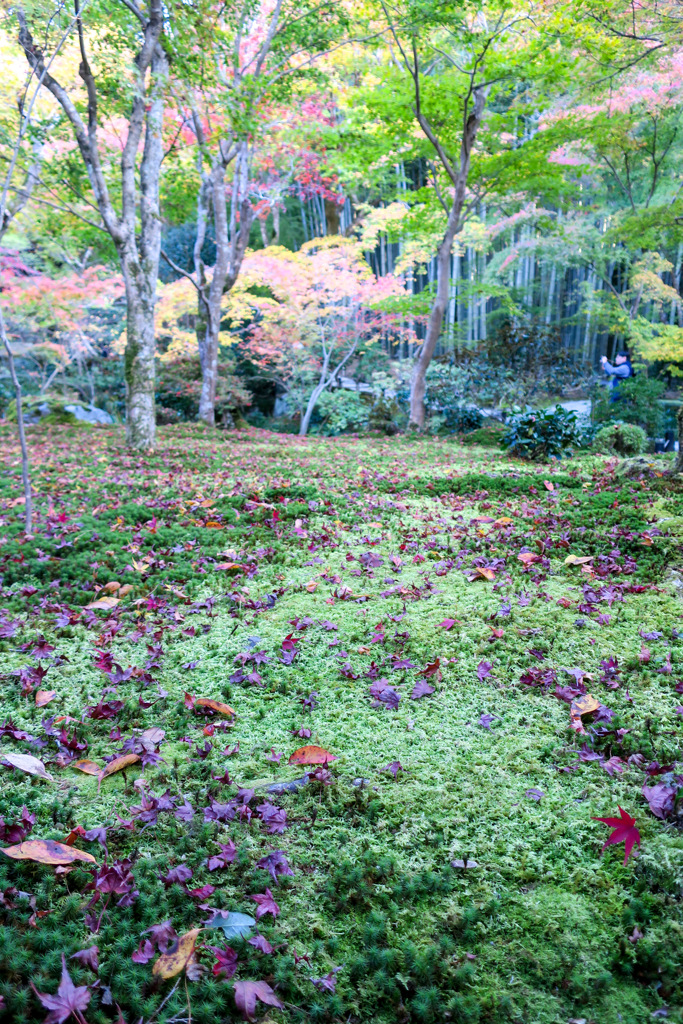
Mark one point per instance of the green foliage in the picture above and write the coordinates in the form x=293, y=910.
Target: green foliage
x=638, y=403
x=620, y=439
x=541, y=433
x=488, y=436
x=342, y=411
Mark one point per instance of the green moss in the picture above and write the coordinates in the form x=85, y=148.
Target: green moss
x=539, y=930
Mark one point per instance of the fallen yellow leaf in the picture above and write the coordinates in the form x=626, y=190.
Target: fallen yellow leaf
x=178, y=956
x=578, y=559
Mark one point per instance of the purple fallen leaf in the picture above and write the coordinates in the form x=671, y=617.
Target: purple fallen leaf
x=68, y=999
x=661, y=799
x=484, y=670
x=447, y=623
x=534, y=794
x=615, y=765
x=421, y=689
x=276, y=864
x=144, y=953
x=180, y=874
x=260, y=943
x=246, y=994
x=226, y=961
x=329, y=982
x=88, y=957
x=225, y=857
x=486, y=719
x=394, y=767
x=266, y=904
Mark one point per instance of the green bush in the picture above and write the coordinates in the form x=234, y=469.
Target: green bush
x=539, y=434
x=620, y=439
x=638, y=403
x=462, y=418
x=342, y=410
x=489, y=436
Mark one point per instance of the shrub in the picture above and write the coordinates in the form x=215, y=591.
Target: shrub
x=342, y=410
x=462, y=418
x=638, y=403
x=384, y=415
x=179, y=386
x=620, y=439
x=539, y=434
x=489, y=436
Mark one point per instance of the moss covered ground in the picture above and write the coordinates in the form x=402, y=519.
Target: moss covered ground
x=447, y=866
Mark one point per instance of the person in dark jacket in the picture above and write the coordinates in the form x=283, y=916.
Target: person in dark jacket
x=620, y=370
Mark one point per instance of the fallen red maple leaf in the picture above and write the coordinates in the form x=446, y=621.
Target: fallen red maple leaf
x=625, y=832
x=67, y=1000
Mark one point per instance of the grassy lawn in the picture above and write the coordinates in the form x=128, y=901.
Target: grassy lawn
x=366, y=596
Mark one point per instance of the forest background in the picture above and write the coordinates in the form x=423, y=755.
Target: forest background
x=329, y=217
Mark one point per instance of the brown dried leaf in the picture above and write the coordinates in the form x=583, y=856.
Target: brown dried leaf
x=28, y=763
x=104, y=603
x=586, y=704
x=214, y=705
x=179, y=955
x=47, y=851
x=89, y=767
x=44, y=697
x=118, y=763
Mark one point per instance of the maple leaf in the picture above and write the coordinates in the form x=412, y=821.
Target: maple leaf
x=661, y=798
x=225, y=857
x=260, y=943
x=421, y=689
x=180, y=874
x=276, y=864
x=246, y=994
x=226, y=961
x=625, y=832
x=67, y=1000
x=144, y=953
x=88, y=957
x=329, y=982
x=266, y=904
x=394, y=767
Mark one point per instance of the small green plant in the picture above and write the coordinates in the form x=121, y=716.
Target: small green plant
x=620, y=439
x=638, y=403
x=489, y=436
x=540, y=433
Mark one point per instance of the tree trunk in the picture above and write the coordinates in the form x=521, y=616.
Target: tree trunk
x=231, y=245
x=139, y=358
x=136, y=233
x=443, y=259
x=312, y=402
x=443, y=277
x=678, y=465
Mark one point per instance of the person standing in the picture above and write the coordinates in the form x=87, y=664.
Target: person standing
x=620, y=370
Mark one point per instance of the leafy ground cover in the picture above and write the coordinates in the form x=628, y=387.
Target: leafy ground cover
x=491, y=653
